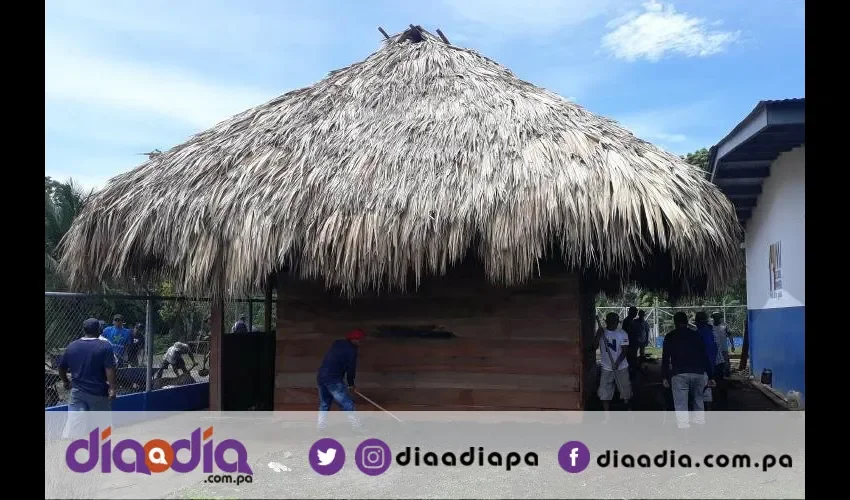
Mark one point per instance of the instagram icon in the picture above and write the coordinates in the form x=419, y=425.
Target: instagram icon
x=373, y=457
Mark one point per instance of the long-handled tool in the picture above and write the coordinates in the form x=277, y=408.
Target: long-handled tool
x=376, y=405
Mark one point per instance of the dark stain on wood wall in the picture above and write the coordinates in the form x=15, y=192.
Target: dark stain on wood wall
x=512, y=349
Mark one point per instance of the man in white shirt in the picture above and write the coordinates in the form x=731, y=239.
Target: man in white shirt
x=240, y=326
x=722, y=367
x=614, y=345
x=723, y=340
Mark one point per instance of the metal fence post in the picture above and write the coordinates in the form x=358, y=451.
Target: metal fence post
x=149, y=347
x=656, y=326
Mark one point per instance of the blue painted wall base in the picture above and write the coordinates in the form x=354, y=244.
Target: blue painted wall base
x=133, y=408
x=778, y=343
x=191, y=397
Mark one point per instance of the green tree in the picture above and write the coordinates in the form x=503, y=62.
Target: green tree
x=63, y=201
x=698, y=158
x=179, y=320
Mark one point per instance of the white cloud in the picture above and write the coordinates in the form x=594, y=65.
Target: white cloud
x=74, y=74
x=537, y=18
x=659, y=31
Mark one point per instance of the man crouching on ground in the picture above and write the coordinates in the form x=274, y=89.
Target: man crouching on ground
x=614, y=344
x=339, y=362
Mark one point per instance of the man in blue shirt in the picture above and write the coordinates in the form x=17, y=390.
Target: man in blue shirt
x=706, y=331
x=340, y=363
x=92, y=366
x=118, y=336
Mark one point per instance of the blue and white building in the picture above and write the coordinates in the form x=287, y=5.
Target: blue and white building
x=761, y=167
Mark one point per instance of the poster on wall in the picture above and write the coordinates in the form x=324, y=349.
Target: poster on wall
x=775, y=275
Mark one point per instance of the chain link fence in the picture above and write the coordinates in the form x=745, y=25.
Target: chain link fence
x=173, y=319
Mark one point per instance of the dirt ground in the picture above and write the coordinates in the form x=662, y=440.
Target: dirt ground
x=650, y=395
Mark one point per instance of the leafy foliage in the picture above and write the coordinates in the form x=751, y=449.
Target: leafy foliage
x=179, y=320
x=63, y=201
x=698, y=158
x=173, y=320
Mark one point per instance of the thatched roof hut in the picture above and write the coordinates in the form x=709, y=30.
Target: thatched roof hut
x=398, y=167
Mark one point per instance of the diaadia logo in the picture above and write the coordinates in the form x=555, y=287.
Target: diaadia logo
x=156, y=455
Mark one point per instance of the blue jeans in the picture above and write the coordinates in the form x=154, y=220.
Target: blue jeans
x=336, y=391
x=85, y=412
x=688, y=387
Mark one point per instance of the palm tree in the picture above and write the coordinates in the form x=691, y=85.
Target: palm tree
x=62, y=203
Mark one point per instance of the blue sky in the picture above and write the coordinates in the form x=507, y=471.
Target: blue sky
x=124, y=78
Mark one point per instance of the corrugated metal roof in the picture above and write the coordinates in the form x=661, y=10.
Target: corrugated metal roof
x=752, y=150
x=761, y=105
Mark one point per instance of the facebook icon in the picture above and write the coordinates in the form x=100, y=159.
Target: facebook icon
x=574, y=457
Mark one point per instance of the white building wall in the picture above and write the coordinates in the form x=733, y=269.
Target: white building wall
x=780, y=215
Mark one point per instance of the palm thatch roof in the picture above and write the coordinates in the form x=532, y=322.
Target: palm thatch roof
x=397, y=167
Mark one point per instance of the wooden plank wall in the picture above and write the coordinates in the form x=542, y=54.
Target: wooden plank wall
x=515, y=349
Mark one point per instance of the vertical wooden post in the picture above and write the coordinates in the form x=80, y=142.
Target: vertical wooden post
x=216, y=332
x=267, y=316
x=587, y=304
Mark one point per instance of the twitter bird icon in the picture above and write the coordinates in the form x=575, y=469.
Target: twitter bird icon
x=326, y=456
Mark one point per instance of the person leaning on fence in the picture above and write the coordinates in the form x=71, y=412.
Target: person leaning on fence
x=614, y=344
x=173, y=357
x=91, y=364
x=684, y=366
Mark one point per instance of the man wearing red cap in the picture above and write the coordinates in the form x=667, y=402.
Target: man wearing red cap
x=340, y=363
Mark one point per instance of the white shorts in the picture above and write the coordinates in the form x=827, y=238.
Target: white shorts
x=608, y=379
